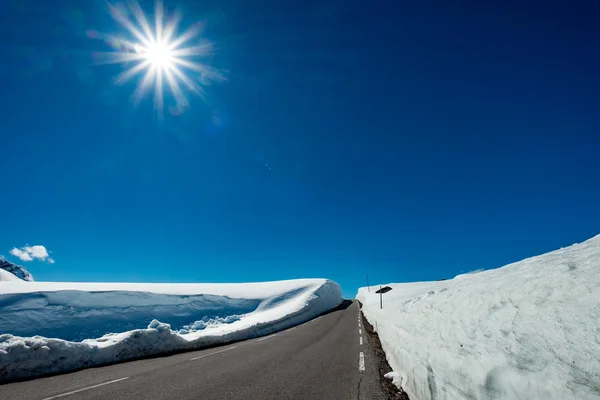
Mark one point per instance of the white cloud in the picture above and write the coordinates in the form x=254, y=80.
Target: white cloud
x=37, y=252
x=30, y=253
x=21, y=254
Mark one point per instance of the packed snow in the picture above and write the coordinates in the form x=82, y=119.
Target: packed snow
x=529, y=330
x=51, y=327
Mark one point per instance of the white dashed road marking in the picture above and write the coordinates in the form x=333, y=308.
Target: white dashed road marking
x=210, y=354
x=361, y=340
x=87, y=388
x=266, y=337
x=359, y=331
x=361, y=361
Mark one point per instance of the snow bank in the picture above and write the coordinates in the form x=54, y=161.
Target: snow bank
x=529, y=330
x=213, y=314
x=76, y=315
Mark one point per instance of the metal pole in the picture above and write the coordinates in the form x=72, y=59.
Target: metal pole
x=368, y=288
x=380, y=298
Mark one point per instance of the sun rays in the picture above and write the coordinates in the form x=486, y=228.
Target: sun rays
x=158, y=55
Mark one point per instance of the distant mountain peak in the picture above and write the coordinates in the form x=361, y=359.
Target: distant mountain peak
x=16, y=270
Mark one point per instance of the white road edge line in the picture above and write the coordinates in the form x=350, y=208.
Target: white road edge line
x=87, y=388
x=210, y=354
x=291, y=329
x=361, y=361
x=266, y=337
x=361, y=340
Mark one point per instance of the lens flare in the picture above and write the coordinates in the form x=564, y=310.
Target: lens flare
x=164, y=58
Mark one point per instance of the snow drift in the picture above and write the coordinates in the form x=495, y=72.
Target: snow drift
x=168, y=317
x=529, y=330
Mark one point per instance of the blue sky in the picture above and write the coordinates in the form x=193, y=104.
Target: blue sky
x=409, y=140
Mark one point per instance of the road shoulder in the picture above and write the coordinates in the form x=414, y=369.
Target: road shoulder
x=379, y=361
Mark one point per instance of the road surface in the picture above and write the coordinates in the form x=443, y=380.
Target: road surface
x=326, y=358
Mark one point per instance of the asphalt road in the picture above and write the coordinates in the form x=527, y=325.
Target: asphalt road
x=326, y=358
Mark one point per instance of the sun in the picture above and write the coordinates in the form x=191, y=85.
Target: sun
x=158, y=55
